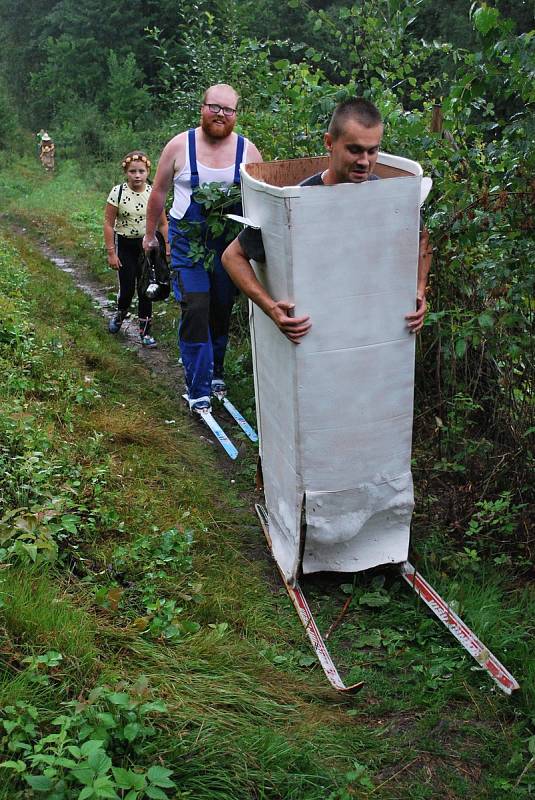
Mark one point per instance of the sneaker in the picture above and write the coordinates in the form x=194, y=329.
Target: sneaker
x=199, y=406
x=148, y=341
x=114, y=325
x=219, y=386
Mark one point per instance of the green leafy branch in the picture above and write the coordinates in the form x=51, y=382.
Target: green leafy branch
x=216, y=230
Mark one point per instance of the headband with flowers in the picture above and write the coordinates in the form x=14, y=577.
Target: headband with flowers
x=136, y=157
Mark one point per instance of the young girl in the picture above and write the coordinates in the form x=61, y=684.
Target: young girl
x=124, y=223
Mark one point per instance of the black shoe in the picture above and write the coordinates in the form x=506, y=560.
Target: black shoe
x=218, y=386
x=114, y=325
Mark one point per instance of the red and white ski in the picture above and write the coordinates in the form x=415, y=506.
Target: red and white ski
x=305, y=615
x=460, y=630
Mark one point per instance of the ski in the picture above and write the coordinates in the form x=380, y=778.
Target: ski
x=217, y=430
x=235, y=414
x=305, y=615
x=459, y=629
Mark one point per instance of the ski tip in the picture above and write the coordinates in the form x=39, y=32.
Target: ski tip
x=353, y=689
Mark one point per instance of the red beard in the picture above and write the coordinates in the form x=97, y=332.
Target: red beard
x=217, y=130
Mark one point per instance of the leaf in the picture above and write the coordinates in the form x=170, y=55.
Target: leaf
x=160, y=776
x=460, y=347
x=122, y=777
x=119, y=698
x=368, y=639
x=18, y=766
x=485, y=18
x=84, y=774
x=91, y=747
x=374, y=600
x=104, y=787
x=85, y=793
x=127, y=779
x=39, y=782
x=155, y=793
x=99, y=762
x=69, y=522
x=486, y=320
x=131, y=731
x=107, y=720
x=347, y=588
x=187, y=626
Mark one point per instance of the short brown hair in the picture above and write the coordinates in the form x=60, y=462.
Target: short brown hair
x=357, y=108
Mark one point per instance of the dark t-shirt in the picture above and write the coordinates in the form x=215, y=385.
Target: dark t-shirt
x=251, y=238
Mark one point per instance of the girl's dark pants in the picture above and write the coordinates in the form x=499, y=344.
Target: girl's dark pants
x=130, y=252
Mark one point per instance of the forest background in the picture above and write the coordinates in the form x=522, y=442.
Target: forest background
x=456, y=86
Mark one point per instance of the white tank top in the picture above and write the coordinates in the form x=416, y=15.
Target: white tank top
x=182, y=180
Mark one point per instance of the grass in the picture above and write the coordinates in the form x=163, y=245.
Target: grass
x=85, y=438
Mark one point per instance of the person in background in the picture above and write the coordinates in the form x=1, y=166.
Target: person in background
x=352, y=142
x=124, y=226
x=47, y=152
x=210, y=153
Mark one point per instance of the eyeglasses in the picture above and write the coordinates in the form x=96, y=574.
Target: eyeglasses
x=215, y=108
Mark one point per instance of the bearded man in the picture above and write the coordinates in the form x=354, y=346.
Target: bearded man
x=210, y=153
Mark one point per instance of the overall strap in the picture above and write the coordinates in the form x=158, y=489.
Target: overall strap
x=239, y=156
x=193, y=159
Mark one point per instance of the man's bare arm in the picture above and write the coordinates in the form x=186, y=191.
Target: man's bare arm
x=162, y=184
x=242, y=274
x=415, y=319
x=253, y=154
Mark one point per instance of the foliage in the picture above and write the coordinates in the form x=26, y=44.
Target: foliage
x=142, y=570
x=10, y=131
x=215, y=231
x=87, y=751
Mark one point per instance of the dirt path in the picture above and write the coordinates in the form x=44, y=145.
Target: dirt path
x=159, y=361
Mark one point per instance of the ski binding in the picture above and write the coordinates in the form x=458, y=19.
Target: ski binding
x=208, y=419
x=305, y=615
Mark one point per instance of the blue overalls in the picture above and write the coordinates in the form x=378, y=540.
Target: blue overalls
x=206, y=297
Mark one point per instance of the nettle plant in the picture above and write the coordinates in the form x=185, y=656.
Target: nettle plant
x=97, y=748
x=217, y=200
